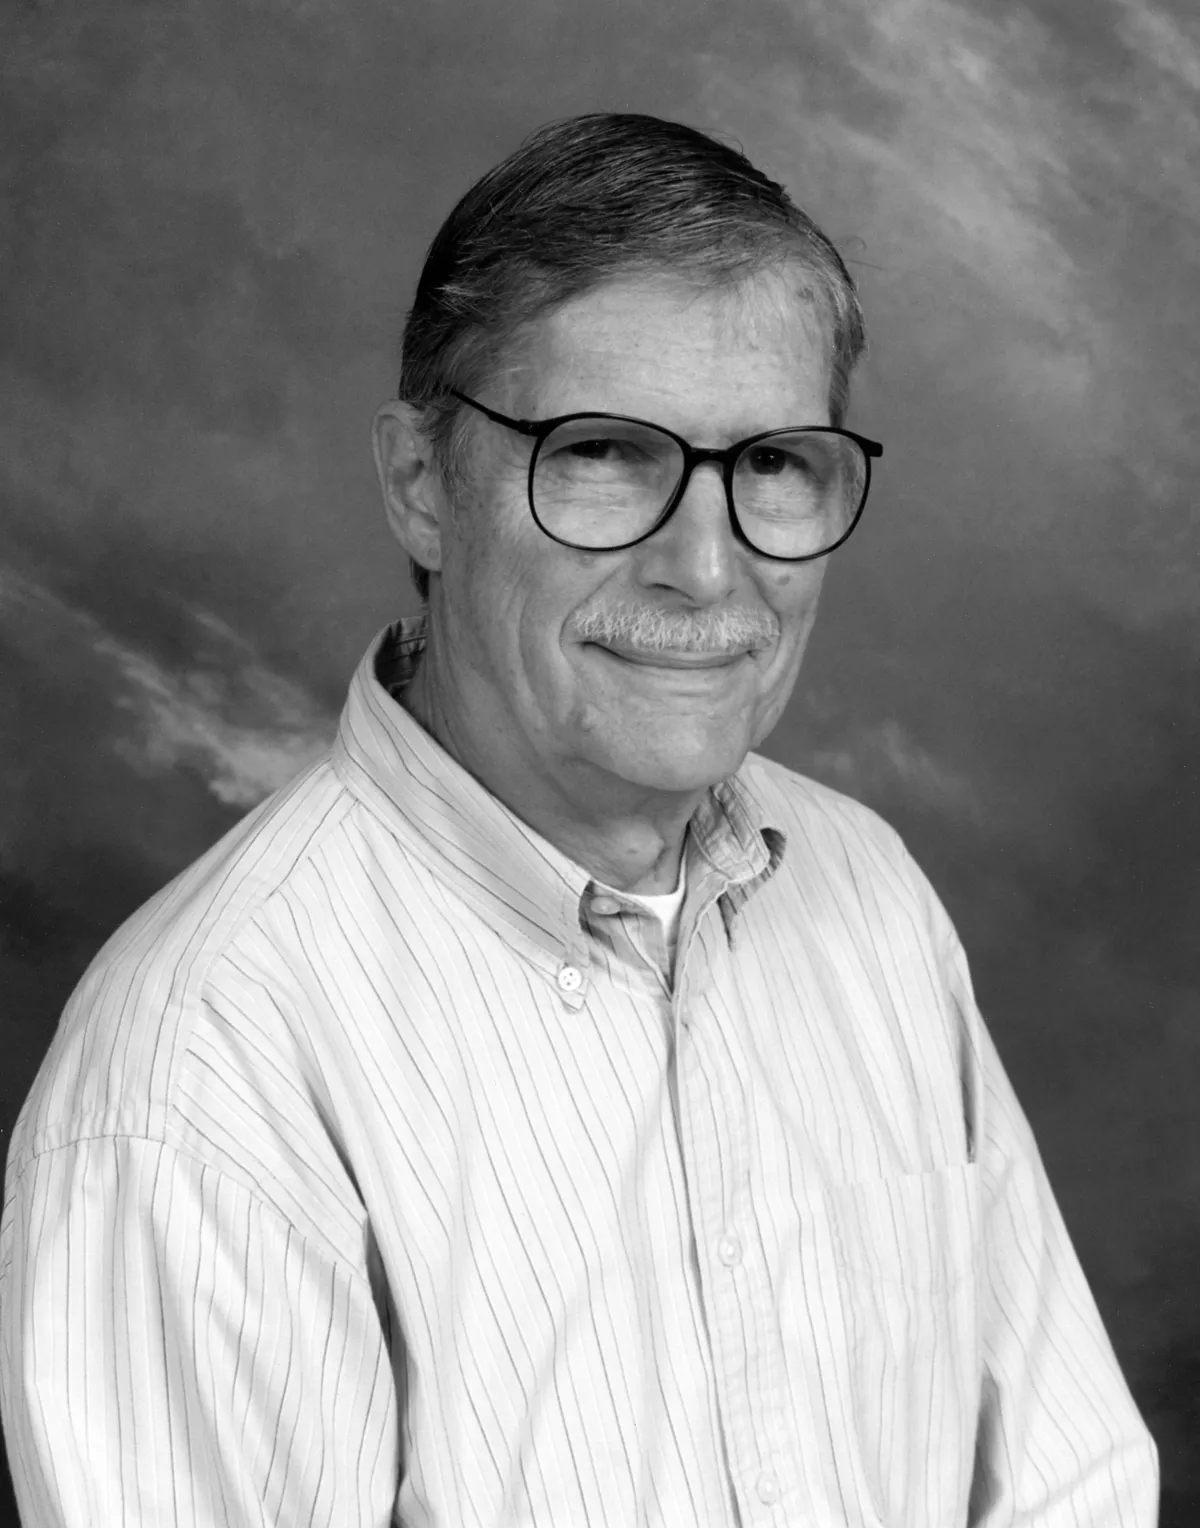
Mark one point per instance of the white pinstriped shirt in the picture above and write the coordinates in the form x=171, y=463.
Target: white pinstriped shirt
x=378, y=1174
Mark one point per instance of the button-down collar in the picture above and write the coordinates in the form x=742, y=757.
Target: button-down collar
x=517, y=881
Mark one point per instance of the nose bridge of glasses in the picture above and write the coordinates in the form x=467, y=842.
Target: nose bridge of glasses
x=696, y=456
x=692, y=457
x=718, y=454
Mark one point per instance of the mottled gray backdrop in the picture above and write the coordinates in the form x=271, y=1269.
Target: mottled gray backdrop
x=213, y=215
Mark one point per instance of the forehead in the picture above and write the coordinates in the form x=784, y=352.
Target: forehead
x=692, y=356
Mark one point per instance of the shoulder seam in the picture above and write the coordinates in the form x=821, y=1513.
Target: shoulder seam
x=326, y=1249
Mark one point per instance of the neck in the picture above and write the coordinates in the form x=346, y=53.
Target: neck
x=628, y=837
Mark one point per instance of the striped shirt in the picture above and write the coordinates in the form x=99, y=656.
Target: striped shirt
x=382, y=1170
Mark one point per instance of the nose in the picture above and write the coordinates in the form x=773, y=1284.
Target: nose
x=696, y=552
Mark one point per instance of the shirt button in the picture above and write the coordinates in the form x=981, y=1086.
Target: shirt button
x=605, y=906
x=570, y=978
x=767, y=1487
x=729, y=1250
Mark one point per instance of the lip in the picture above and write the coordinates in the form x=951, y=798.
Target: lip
x=671, y=660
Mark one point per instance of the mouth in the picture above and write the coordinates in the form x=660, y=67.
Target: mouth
x=670, y=659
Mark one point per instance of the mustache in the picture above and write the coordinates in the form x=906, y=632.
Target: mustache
x=681, y=631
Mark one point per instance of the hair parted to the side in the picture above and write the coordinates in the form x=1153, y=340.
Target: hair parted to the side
x=580, y=202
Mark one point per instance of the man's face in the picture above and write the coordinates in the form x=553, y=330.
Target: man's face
x=714, y=366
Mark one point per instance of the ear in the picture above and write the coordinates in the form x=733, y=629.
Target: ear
x=414, y=496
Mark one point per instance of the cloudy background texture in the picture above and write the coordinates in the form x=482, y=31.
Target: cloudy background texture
x=212, y=219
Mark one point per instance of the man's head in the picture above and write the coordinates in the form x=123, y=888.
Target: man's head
x=622, y=265
x=579, y=203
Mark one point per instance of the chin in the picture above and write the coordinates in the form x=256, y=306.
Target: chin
x=682, y=770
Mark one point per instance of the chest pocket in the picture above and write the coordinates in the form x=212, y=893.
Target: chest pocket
x=914, y=1233
x=906, y=1260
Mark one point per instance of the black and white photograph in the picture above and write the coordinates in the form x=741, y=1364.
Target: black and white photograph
x=599, y=808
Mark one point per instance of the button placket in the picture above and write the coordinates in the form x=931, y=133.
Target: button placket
x=712, y=1159
x=732, y=1272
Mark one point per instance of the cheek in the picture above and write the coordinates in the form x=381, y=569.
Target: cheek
x=486, y=553
x=793, y=594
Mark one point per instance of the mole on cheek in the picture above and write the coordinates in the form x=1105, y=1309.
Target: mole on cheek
x=588, y=717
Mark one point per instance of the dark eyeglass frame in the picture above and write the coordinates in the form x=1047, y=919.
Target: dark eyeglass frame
x=539, y=430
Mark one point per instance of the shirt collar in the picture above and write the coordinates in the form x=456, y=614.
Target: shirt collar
x=518, y=881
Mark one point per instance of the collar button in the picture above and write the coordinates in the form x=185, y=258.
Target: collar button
x=570, y=978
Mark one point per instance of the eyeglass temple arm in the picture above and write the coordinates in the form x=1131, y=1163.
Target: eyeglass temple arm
x=523, y=425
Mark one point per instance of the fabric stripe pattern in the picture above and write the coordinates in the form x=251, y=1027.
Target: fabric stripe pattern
x=384, y=1169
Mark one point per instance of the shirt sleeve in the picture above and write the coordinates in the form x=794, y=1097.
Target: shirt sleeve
x=1060, y=1443
x=174, y=1352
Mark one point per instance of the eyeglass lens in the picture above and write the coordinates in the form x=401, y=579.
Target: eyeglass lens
x=605, y=482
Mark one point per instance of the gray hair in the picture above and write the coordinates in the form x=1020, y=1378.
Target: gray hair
x=580, y=202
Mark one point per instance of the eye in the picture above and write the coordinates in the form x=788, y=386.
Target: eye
x=599, y=449
x=613, y=452
x=774, y=461
x=767, y=461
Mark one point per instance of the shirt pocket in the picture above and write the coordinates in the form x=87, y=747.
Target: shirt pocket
x=903, y=1255
x=914, y=1233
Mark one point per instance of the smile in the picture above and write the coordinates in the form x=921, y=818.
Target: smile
x=669, y=659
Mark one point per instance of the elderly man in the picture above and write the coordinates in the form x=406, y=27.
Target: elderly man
x=545, y=1111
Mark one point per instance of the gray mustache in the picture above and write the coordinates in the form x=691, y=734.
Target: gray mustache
x=681, y=631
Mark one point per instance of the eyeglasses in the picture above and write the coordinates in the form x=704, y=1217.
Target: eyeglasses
x=604, y=482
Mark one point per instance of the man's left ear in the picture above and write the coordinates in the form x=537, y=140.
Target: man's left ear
x=414, y=496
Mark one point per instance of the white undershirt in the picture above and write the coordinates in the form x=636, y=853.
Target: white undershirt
x=666, y=907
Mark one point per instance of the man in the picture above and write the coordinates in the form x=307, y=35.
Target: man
x=545, y=1110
